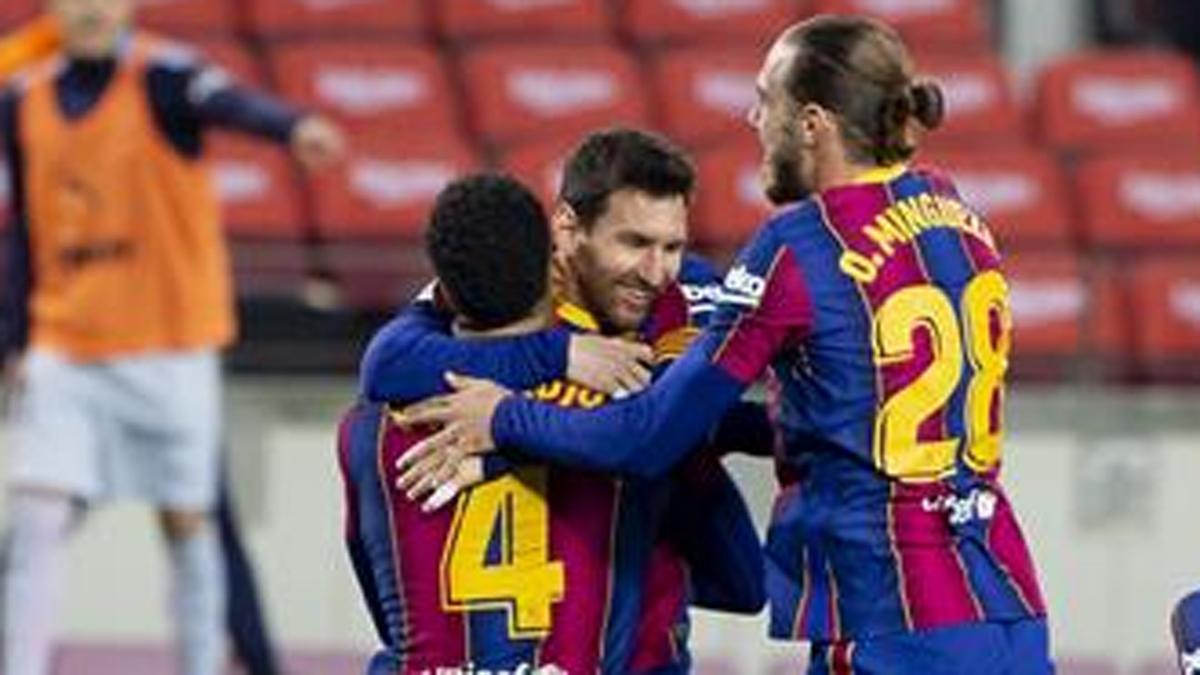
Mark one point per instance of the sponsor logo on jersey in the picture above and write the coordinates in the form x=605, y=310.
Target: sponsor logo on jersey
x=743, y=288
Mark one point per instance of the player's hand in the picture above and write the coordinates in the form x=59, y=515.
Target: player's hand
x=464, y=422
x=317, y=142
x=448, y=483
x=609, y=365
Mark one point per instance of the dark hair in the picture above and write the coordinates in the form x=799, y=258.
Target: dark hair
x=860, y=69
x=620, y=158
x=489, y=241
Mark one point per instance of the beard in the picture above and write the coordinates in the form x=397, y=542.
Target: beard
x=785, y=174
x=598, y=290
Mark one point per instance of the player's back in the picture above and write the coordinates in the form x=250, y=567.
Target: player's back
x=892, y=415
x=526, y=570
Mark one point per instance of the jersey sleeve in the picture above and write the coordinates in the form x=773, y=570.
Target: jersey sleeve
x=18, y=270
x=408, y=358
x=764, y=309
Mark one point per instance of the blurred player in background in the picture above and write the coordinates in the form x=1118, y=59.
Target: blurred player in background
x=248, y=631
x=877, y=297
x=118, y=301
x=1185, y=629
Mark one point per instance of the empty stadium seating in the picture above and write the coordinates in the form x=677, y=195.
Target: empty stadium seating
x=1120, y=99
x=1141, y=200
x=958, y=24
x=980, y=106
x=234, y=58
x=257, y=186
x=729, y=202
x=516, y=92
x=13, y=12
x=539, y=165
x=348, y=18
x=1166, y=313
x=206, y=18
x=372, y=87
x=702, y=93
x=386, y=187
x=564, y=19
x=1021, y=192
x=752, y=21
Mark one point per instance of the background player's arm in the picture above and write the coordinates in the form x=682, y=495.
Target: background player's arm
x=648, y=433
x=18, y=282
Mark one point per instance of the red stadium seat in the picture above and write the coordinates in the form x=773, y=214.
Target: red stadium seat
x=282, y=18
x=258, y=190
x=1141, y=199
x=235, y=58
x=729, y=202
x=539, y=165
x=191, y=17
x=1058, y=313
x=371, y=87
x=980, y=107
x=704, y=93
x=517, y=92
x=386, y=188
x=1020, y=191
x=1131, y=98
x=945, y=23
x=738, y=21
x=15, y=12
x=377, y=277
x=468, y=19
x=1166, y=295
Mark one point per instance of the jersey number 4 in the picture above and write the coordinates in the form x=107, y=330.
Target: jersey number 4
x=986, y=328
x=498, y=554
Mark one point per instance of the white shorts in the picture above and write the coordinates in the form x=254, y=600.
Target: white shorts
x=145, y=427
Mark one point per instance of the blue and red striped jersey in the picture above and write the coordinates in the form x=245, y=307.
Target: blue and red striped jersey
x=882, y=310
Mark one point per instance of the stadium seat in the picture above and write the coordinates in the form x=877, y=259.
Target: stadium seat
x=749, y=22
x=703, y=93
x=371, y=87
x=1140, y=200
x=539, y=165
x=516, y=92
x=385, y=189
x=470, y=19
x=15, y=12
x=980, y=107
x=348, y=18
x=729, y=202
x=957, y=24
x=1021, y=191
x=1061, y=312
x=190, y=18
x=235, y=58
x=1119, y=99
x=257, y=186
x=375, y=277
x=1166, y=295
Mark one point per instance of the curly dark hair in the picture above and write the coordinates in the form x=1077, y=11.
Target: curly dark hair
x=489, y=241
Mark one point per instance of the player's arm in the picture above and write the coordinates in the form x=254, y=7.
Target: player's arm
x=746, y=429
x=408, y=357
x=765, y=308
x=192, y=95
x=15, y=294
x=711, y=528
x=28, y=44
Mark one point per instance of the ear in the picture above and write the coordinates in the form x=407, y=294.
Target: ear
x=564, y=227
x=815, y=123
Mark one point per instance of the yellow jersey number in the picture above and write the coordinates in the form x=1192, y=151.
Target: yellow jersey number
x=521, y=578
x=898, y=452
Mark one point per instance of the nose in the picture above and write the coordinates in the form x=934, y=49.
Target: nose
x=655, y=270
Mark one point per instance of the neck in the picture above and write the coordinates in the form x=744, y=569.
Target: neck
x=537, y=320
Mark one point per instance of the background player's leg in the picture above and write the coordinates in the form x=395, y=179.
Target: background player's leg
x=244, y=615
x=1185, y=628
x=197, y=591
x=40, y=523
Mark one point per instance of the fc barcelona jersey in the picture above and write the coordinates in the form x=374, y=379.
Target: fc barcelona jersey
x=882, y=309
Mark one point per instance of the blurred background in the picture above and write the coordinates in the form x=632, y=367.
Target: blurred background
x=1073, y=124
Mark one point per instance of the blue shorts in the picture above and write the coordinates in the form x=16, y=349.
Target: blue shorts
x=1020, y=648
